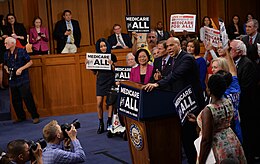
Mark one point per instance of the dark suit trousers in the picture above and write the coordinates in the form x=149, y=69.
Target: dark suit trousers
x=189, y=135
x=20, y=93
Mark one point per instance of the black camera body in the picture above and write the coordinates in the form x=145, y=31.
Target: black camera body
x=12, y=73
x=67, y=127
x=33, y=144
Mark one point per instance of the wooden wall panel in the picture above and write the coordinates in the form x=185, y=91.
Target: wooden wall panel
x=25, y=11
x=105, y=15
x=79, y=11
x=250, y=6
x=4, y=8
x=179, y=7
x=36, y=83
x=216, y=9
x=153, y=8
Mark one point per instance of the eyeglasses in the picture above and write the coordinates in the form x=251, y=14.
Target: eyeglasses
x=151, y=36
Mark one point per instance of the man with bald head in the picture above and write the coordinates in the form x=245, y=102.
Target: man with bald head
x=184, y=72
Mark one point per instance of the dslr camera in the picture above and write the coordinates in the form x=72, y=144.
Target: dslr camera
x=12, y=73
x=67, y=127
x=33, y=144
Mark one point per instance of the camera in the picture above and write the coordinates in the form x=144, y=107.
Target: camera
x=68, y=29
x=33, y=144
x=67, y=127
x=12, y=73
x=39, y=34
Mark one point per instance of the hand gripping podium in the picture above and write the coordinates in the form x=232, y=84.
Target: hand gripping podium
x=152, y=124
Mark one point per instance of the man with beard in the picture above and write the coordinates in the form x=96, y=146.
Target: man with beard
x=151, y=40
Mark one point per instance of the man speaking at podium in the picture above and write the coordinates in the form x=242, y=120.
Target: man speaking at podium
x=184, y=72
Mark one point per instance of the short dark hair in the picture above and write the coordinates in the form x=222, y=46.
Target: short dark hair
x=163, y=42
x=217, y=85
x=139, y=51
x=15, y=148
x=226, y=75
x=116, y=25
x=66, y=11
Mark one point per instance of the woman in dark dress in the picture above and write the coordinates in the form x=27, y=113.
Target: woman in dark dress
x=105, y=80
x=15, y=30
x=235, y=29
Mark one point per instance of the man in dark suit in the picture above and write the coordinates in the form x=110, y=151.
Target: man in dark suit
x=161, y=34
x=119, y=40
x=67, y=33
x=251, y=40
x=184, y=72
x=246, y=73
x=162, y=65
x=253, y=36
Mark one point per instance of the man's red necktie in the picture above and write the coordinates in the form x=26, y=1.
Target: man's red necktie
x=250, y=40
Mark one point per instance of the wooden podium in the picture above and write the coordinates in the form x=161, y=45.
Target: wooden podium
x=152, y=124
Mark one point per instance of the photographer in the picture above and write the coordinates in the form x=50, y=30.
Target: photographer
x=16, y=63
x=20, y=152
x=55, y=151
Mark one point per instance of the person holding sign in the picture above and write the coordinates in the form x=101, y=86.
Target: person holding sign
x=143, y=72
x=105, y=80
x=206, y=21
x=184, y=72
x=214, y=121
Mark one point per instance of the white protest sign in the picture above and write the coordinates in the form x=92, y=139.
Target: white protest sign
x=98, y=61
x=223, y=34
x=185, y=102
x=180, y=22
x=139, y=24
x=122, y=73
x=212, y=36
x=258, y=49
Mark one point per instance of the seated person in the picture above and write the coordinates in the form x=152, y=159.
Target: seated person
x=130, y=60
x=143, y=72
x=55, y=152
x=19, y=151
x=155, y=53
x=119, y=40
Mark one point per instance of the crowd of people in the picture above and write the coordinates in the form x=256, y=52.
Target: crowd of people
x=226, y=83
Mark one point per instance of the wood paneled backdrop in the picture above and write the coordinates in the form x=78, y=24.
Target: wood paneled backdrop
x=97, y=17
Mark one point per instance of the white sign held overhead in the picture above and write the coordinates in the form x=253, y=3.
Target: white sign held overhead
x=180, y=22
